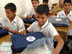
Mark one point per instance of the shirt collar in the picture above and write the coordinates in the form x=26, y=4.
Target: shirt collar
x=63, y=14
x=45, y=25
x=13, y=20
x=68, y=14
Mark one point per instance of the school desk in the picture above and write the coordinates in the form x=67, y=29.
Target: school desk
x=6, y=38
x=63, y=31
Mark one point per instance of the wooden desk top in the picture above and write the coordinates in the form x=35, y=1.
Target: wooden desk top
x=70, y=24
x=6, y=38
x=65, y=29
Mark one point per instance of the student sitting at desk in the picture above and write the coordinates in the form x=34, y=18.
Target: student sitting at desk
x=29, y=15
x=66, y=13
x=67, y=10
x=56, y=7
x=60, y=5
x=42, y=25
x=11, y=22
x=53, y=11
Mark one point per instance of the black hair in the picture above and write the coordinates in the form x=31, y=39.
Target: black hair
x=35, y=0
x=45, y=0
x=42, y=9
x=67, y=1
x=10, y=6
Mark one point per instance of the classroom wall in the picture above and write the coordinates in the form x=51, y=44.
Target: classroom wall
x=19, y=3
x=22, y=6
x=51, y=2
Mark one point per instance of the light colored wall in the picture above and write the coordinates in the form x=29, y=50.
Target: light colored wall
x=51, y=2
x=19, y=3
x=22, y=5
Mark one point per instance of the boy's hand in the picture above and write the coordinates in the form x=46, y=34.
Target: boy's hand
x=55, y=52
x=6, y=27
x=28, y=17
x=22, y=32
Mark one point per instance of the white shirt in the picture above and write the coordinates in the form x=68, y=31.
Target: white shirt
x=62, y=14
x=47, y=29
x=17, y=24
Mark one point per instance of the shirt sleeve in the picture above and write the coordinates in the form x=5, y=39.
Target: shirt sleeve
x=1, y=23
x=31, y=27
x=59, y=14
x=21, y=26
x=70, y=16
x=52, y=30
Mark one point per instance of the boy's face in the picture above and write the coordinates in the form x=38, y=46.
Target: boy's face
x=67, y=7
x=41, y=18
x=9, y=13
x=61, y=2
x=35, y=4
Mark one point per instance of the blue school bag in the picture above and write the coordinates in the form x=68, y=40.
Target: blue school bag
x=3, y=32
x=20, y=42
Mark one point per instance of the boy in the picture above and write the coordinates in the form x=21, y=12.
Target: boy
x=67, y=10
x=60, y=5
x=66, y=13
x=53, y=12
x=57, y=7
x=29, y=15
x=12, y=23
x=42, y=25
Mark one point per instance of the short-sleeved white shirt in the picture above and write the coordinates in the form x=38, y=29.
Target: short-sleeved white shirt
x=47, y=29
x=17, y=24
x=62, y=14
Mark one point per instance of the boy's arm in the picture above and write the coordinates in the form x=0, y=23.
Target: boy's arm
x=60, y=44
x=23, y=32
x=12, y=31
x=21, y=27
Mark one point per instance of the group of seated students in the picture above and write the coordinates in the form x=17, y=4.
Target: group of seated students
x=63, y=9
x=40, y=13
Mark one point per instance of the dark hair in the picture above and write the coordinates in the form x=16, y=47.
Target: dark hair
x=10, y=6
x=45, y=0
x=35, y=0
x=42, y=9
x=67, y=1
